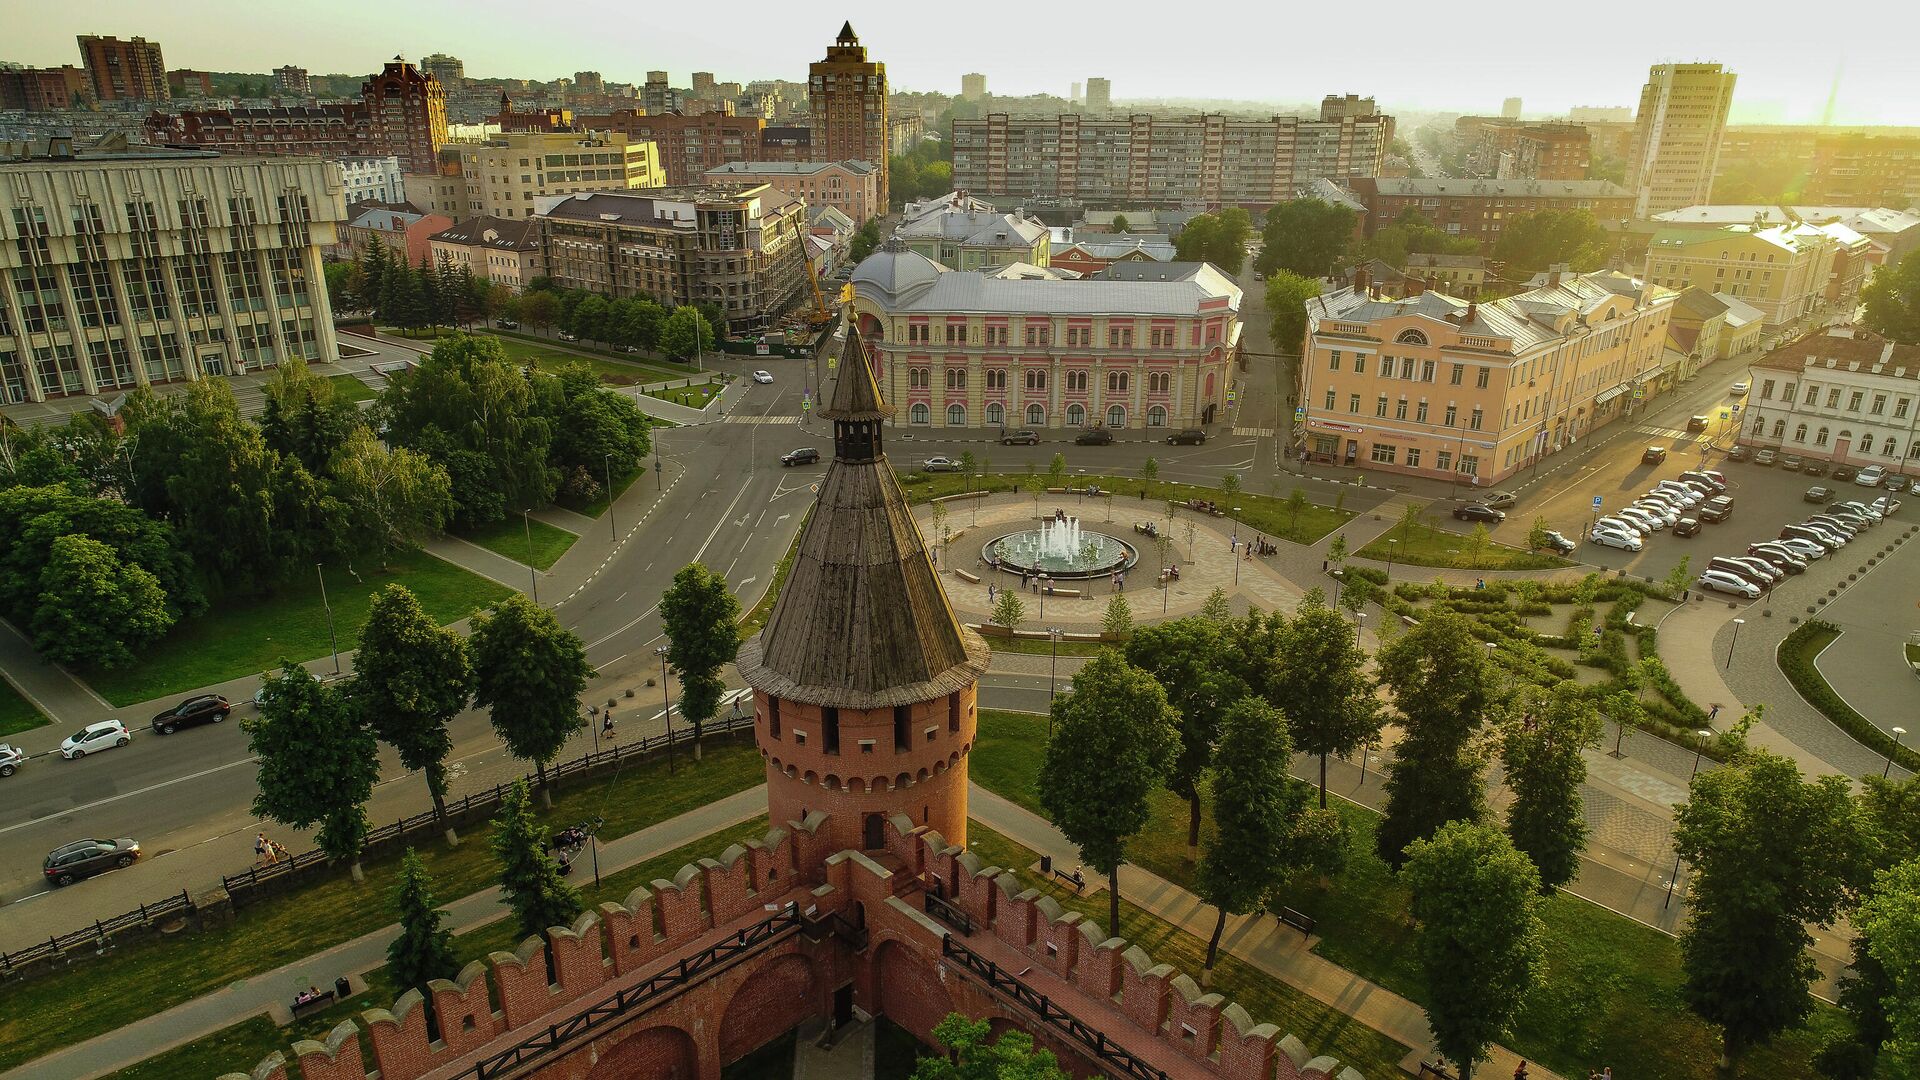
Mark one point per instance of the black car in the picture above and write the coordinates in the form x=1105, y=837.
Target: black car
x=1687, y=527
x=205, y=709
x=1476, y=512
x=1895, y=482
x=1718, y=508
x=1023, y=437
x=1098, y=436
x=1813, y=466
x=1697, y=423
x=1740, y=453
x=1817, y=495
x=806, y=455
x=1560, y=543
x=1845, y=472
x=1653, y=455
x=1192, y=436
x=1791, y=462
x=69, y=863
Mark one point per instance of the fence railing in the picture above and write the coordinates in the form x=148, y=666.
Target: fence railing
x=101, y=931
x=1110, y=1056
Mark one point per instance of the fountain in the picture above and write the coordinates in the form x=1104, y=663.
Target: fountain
x=1060, y=548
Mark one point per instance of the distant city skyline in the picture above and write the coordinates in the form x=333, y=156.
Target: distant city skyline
x=1503, y=48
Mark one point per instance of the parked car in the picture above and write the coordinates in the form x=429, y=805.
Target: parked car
x=1719, y=508
x=1814, y=467
x=1765, y=459
x=1828, y=541
x=1192, y=436
x=1476, y=512
x=69, y=863
x=1721, y=581
x=564, y=336
x=1784, y=558
x=1871, y=476
x=1739, y=389
x=1560, y=543
x=1615, y=538
x=204, y=709
x=1499, y=500
x=940, y=464
x=1870, y=515
x=1708, y=477
x=1754, y=569
x=1651, y=520
x=1806, y=549
x=93, y=738
x=10, y=759
x=1631, y=528
x=806, y=455
x=1740, y=453
x=1686, y=495
x=1664, y=512
x=1836, y=524
x=1687, y=527
x=1098, y=436
x=1886, y=504
x=1845, y=472
x=1817, y=494
x=507, y=324
x=1653, y=455
x=1023, y=437
x=1896, y=482
x=1792, y=463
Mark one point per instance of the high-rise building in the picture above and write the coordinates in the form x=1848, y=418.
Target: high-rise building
x=153, y=265
x=1865, y=170
x=973, y=86
x=1510, y=108
x=292, y=80
x=1073, y=94
x=848, y=95
x=44, y=89
x=703, y=85
x=690, y=145
x=589, y=82
x=1676, y=136
x=658, y=95
x=1340, y=107
x=1099, y=94
x=448, y=69
x=124, y=70
x=505, y=175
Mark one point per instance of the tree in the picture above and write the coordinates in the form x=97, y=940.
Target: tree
x=1057, y=471
x=1533, y=242
x=1771, y=852
x=1478, y=904
x=1412, y=233
x=302, y=419
x=529, y=674
x=539, y=310
x=1890, y=810
x=1296, y=503
x=32, y=519
x=1230, y=484
x=1679, y=577
x=1188, y=658
x=1443, y=691
x=346, y=284
x=318, y=762
x=1537, y=535
x=1120, y=224
x=394, y=498
x=530, y=882
x=1540, y=751
x=1256, y=807
x=424, y=950
x=1306, y=237
x=1320, y=842
x=971, y=1057
x=1113, y=740
x=410, y=679
x=1320, y=683
x=1337, y=551
x=686, y=334
x=1476, y=545
x=1008, y=610
x=701, y=618
x=1891, y=301
x=1287, y=297
x=1889, y=922
x=1117, y=623
x=95, y=609
x=1220, y=239
x=1216, y=608
x=1149, y=471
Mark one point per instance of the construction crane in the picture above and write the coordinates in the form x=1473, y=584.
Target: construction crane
x=819, y=317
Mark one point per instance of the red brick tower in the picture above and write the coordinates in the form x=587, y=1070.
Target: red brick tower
x=864, y=682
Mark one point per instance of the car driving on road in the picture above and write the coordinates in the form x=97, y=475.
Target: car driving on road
x=806, y=455
x=940, y=464
x=1476, y=512
x=93, y=738
x=10, y=759
x=203, y=709
x=69, y=863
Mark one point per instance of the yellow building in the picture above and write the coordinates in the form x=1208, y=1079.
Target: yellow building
x=1782, y=270
x=504, y=175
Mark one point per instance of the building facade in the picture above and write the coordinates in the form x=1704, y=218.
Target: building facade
x=129, y=269
x=1864, y=170
x=292, y=80
x=1478, y=208
x=1430, y=385
x=1677, y=134
x=407, y=234
x=506, y=174
x=851, y=187
x=44, y=89
x=1787, y=271
x=1503, y=149
x=962, y=237
x=124, y=70
x=1845, y=396
x=371, y=180
x=973, y=86
x=1099, y=94
x=1089, y=253
x=847, y=94
x=505, y=252
x=739, y=248
x=448, y=70
x=1459, y=275
x=963, y=349
x=689, y=145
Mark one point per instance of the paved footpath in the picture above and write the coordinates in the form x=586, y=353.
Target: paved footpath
x=256, y=995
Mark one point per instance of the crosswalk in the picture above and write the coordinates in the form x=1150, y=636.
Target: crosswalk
x=737, y=419
x=1255, y=432
x=1672, y=434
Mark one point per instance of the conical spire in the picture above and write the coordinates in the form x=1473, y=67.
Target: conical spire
x=855, y=395
x=846, y=32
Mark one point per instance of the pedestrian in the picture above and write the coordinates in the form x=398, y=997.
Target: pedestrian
x=262, y=847
x=1233, y=544
x=1606, y=1073
x=1713, y=712
x=989, y=593
x=606, y=724
x=1520, y=1070
x=279, y=852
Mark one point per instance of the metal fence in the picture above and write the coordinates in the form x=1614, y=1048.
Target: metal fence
x=1110, y=1056
x=101, y=931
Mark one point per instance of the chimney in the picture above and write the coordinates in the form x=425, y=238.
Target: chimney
x=1553, y=274
x=1473, y=309
x=1415, y=286
x=1360, y=279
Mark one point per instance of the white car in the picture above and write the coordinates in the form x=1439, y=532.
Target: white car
x=1886, y=504
x=1686, y=495
x=1806, y=549
x=95, y=737
x=1614, y=538
x=1721, y=581
x=1665, y=514
x=1870, y=512
x=1623, y=525
x=1644, y=517
x=1739, y=389
x=10, y=759
x=1871, y=476
x=763, y=376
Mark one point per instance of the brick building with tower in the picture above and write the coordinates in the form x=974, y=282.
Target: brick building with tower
x=861, y=902
x=848, y=96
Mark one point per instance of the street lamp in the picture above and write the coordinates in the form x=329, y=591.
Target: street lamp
x=1737, y=624
x=666, y=692
x=612, y=529
x=1699, y=749
x=593, y=725
x=1359, y=620
x=658, y=483
x=1053, y=672
x=1898, y=734
x=526, y=519
x=1392, y=546
x=331, y=636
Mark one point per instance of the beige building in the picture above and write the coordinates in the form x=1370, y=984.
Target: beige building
x=153, y=265
x=1461, y=275
x=851, y=187
x=504, y=175
x=502, y=251
x=1845, y=396
x=1676, y=136
x=961, y=235
x=1787, y=271
x=1430, y=385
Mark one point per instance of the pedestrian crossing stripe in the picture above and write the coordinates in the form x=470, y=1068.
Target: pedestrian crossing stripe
x=762, y=420
x=1671, y=433
x=1256, y=432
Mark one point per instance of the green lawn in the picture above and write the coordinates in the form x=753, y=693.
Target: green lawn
x=155, y=974
x=1043, y=647
x=510, y=538
x=350, y=388
x=1612, y=993
x=1424, y=545
x=611, y=369
x=695, y=396
x=597, y=505
x=246, y=636
x=16, y=712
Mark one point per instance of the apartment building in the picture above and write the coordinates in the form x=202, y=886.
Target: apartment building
x=1146, y=160
x=44, y=89
x=1865, y=170
x=124, y=70
x=1845, y=396
x=1478, y=208
x=1677, y=135
x=688, y=145
x=973, y=86
x=152, y=265
x=1505, y=149
x=1431, y=385
x=1787, y=271
x=847, y=95
x=738, y=247
x=851, y=187
x=1099, y=94
x=371, y=179
x=504, y=175
x=289, y=79
x=1458, y=275
x=958, y=349
x=406, y=233
x=966, y=237
x=505, y=252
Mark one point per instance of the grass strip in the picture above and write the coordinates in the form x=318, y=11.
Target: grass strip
x=1427, y=545
x=1796, y=658
x=512, y=539
x=17, y=714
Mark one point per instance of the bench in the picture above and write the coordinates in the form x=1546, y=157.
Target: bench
x=1297, y=920
x=313, y=1005
x=965, y=576
x=1057, y=591
x=1435, y=1070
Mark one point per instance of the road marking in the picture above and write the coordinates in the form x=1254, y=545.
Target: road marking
x=621, y=597
x=128, y=794
x=1256, y=432
x=781, y=518
x=746, y=583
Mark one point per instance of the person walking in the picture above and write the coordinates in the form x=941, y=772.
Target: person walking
x=606, y=724
x=262, y=848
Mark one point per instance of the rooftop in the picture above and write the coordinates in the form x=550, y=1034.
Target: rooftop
x=1847, y=348
x=504, y=234
x=907, y=281
x=981, y=228
x=1539, y=316
x=644, y=207
x=1430, y=185
x=788, y=168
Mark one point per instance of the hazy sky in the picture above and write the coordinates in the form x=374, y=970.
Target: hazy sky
x=1463, y=57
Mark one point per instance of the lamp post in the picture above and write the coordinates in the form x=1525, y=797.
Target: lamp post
x=1236, y=530
x=666, y=693
x=1898, y=734
x=593, y=725
x=331, y=636
x=1053, y=634
x=1359, y=620
x=1737, y=624
x=1392, y=547
x=658, y=483
x=612, y=529
x=1699, y=749
x=533, y=575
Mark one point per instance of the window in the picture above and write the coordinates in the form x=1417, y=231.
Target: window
x=996, y=335
x=1160, y=382
x=1833, y=398
x=1820, y=439
x=1480, y=380
x=1080, y=335
x=1076, y=380
x=830, y=730
x=956, y=378
x=1359, y=363
x=1116, y=382
x=1888, y=448
x=1800, y=434
x=902, y=727
x=1779, y=428
x=1036, y=379
x=1406, y=367
x=1470, y=464
x=919, y=414
x=1475, y=420
x=1382, y=454
x=1411, y=337
x=1453, y=415
x=1427, y=370
x=1116, y=417
x=917, y=378
x=953, y=713
x=1443, y=460
x=1766, y=390
x=1813, y=396
x=1353, y=403
x=1420, y=413
x=1413, y=457
x=1039, y=336
x=919, y=334
x=997, y=379
x=1076, y=415
x=956, y=416
x=996, y=415
x=1879, y=404
x=1157, y=416
x=1459, y=370
x=1333, y=360
x=1380, y=406
x=956, y=334
x=1036, y=415
x=1400, y=409
x=1331, y=396
x=1119, y=337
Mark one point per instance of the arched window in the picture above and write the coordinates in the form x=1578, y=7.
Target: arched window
x=1076, y=416
x=1116, y=382
x=956, y=416
x=1759, y=425
x=996, y=415
x=1036, y=415
x=1800, y=433
x=1116, y=417
x=1159, y=382
x=1411, y=337
x=1887, y=449
x=1821, y=438
x=1779, y=428
x=1157, y=416
x=919, y=414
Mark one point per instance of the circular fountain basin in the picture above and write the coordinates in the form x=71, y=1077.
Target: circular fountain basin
x=1061, y=551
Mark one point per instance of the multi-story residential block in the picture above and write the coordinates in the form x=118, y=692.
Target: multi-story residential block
x=1677, y=134
x=155, y=265
x=502, y=251
x=1099, y=94
x=851, y=187
x=1430, y=385
x=689, y=145
x=1478, y=208
x=1863, y=170
x=1845, y=396
x=187, y=83
x=959, y=349
x=847, y=94
x=966, y=237
x=124, y=70
x=738, y=247
x=505, y=175
x=292, y=80
x=1787, y=271
x=973, y=86
x=703, y=84
x=406, y=234
x=905, y=131
x=449, y=70
x=372, y=180
x=1144, y=160
x=1503, y=149
x=589, y=82
x=401, y=112
x=658, y=95
x=44, y=89
x=1893, y=233
x=1510, y=108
